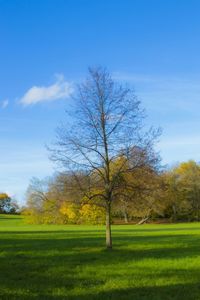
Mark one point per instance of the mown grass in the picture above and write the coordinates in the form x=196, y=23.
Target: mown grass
x=70, y=262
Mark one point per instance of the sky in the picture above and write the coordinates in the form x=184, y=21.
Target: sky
x=45, y=49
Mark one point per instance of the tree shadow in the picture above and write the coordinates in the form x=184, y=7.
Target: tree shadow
x=43, y=262
x=185, y=291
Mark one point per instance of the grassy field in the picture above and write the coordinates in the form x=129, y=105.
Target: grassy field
x=70, y=262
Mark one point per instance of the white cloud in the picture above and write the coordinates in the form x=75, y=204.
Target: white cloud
x=4, y=103
x=59, y=90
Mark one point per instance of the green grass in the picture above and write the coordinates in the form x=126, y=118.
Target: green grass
x=70, y=262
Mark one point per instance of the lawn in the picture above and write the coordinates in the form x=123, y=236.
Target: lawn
x=70, y=262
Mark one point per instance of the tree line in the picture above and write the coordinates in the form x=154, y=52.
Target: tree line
x=171, y=195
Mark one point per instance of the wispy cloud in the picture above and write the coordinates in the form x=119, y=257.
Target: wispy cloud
x=59, y=90
x=163, y=91
x=4, y=103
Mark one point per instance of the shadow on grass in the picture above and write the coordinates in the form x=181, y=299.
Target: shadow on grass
x=13, y=241
x=168, y=292
x=41, y=265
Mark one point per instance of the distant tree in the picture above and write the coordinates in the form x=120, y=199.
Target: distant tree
x=107, y=123
x=188, y=187
x=92, y=214
x=51, y=200
x=7, y=205
x=141, y=195
x=35, y=198
x=172, y=195
x=4, y=203
x=36, y=192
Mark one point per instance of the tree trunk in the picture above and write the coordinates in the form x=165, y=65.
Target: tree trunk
x=174, y=217
x=108, y=227
x=143, y=221
x=125, y=217
x=197, y=211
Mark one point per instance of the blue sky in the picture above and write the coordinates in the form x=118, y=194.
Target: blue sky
x=46, y=47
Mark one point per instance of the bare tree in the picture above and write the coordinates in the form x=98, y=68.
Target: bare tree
x=36, y=192
x=103, y=131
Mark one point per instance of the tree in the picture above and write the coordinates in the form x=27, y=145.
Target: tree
x=107, y=123
x=172, y=194
x=36, y=193
x=4, y=203
x=188, y=184
x=36, y=196
x=92, y=214
x=7, y=205
x=139, y=192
